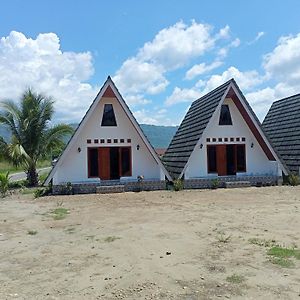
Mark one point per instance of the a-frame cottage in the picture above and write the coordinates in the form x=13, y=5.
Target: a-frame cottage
x=282, y=126
x=108, y=151
x=221, y=138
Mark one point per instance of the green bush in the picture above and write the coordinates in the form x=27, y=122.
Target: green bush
x=4, y=183
x=41, y=192
x=178, y=185
x=293, y=179
x=215, y=183
x=20, y=184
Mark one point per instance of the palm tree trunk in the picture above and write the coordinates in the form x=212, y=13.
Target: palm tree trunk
x=32, y=176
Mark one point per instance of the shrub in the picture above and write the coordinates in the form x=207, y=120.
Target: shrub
x=178, y=185
x=4, y=183
x=215, y=183
x=20, y=184
x=293, y=179
x=41, y=192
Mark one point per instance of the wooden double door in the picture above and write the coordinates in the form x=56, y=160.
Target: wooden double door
x=226, y=159
x=109, y=163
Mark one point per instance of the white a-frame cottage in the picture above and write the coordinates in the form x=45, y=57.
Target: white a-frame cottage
x=221, y=138
x=108, y=148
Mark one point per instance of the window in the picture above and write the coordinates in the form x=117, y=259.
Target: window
x=128, y=140
x=225, y=139
x=102, y=141
x=240, y=158
x=219, y=139
x=109, y=141
x=212, y=159
x=89, y=141
x=214, y=139
x=208, y=140
x=237, y=139
x=121, y=141
x=225, y=117
x=96, y=141
x=108, y=118
x=93, y=162
x=115, y=141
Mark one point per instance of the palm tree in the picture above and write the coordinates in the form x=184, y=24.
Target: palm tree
x=32, y=137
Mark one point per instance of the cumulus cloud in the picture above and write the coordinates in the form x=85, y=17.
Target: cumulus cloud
x=283, y=63
x=183, y=95
x=172, y=48
x=41, y=64
x=202, y=68
x=246, y=80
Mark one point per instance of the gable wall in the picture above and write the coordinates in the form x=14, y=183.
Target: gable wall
x=74, y=168
x=257, y=162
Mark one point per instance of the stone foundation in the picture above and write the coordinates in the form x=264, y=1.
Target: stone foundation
x=206, y=183
x=91, y=188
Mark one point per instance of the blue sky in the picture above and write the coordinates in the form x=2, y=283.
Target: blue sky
x=162, y=55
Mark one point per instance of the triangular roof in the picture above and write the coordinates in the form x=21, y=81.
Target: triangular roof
x=197, y=119
x=282, y=126
x=107, y=90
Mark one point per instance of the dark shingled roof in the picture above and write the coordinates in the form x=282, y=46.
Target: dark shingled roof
x=282, y=126
x=191, y=129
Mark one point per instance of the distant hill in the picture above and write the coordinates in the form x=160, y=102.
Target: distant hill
x=159, y=136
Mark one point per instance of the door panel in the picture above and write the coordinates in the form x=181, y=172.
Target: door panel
x=104, y=163
x=221, y=160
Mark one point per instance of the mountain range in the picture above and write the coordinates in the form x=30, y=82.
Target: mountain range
x=159, y=136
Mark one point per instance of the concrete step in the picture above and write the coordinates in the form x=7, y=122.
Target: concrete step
x=237, y=184
x=109, y=189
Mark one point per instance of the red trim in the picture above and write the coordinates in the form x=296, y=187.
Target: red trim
x=109, y=93
x=231, y=94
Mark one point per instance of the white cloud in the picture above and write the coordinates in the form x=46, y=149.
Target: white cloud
x=176, y=45
x=183, y=95
x=172, y=48
x=136, y=76
x=134, y=100
x=202, y=68
x=41, y=64
x=156, y=117
x=283, y=63
x=223, y=52
x=259, y=35
x=245, y=80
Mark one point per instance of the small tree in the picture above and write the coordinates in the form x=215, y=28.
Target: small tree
x=32, y=137
x=4, y=183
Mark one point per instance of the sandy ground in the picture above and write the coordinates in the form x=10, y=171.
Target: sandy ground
x=115, y=246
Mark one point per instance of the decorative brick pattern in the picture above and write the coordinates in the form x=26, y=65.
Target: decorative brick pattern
x=111, y=186
x=204, y=183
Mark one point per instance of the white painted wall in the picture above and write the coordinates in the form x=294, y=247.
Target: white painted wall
x=74, y=168
x=257, y=162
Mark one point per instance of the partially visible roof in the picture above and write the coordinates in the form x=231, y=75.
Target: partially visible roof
x=282, y=126
x=197, y=119
x=191, y=129
x=107, y=90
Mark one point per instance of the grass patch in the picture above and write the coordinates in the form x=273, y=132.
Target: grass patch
x=6, y=166
x=282, y=262
x=32, y=232
x=262, y=242
x=111, y=239
x=235, y=279
x=60, y=213
x=28, y=191
x=281, y=252
x=281, y=256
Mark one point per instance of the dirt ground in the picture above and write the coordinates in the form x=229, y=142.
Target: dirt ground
x=201, y=244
